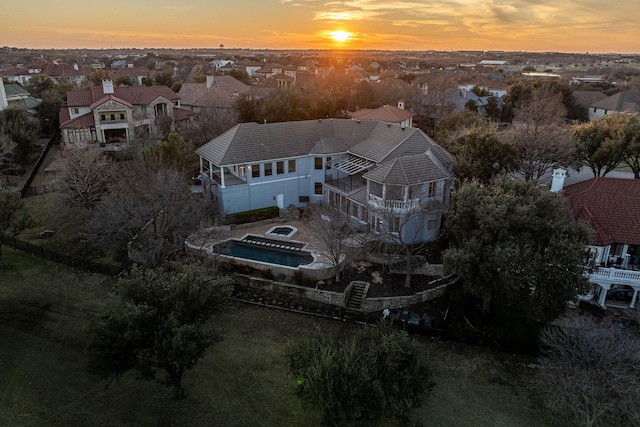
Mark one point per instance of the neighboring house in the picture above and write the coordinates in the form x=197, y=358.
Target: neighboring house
x=59, y=72
x=386, y=113
x=216, y=92
x=586, y=98
x=18, y=97
x=378, y=173
x=138, y=75
x=611, y=207
x=621, y=101
x=112, y=116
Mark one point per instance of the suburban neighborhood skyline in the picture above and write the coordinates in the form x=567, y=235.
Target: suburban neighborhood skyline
x=593, y=26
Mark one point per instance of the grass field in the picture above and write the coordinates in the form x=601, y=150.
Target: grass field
x=45, y=310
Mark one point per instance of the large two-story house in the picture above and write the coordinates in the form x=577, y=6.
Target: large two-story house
x=382, y=174
x=113, y=116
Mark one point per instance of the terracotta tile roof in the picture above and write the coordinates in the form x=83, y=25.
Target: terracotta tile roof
x=84, y=121
x=621, y=101
x=386, y=113
x=611, y=206
x=134, y=95
x=47, y=69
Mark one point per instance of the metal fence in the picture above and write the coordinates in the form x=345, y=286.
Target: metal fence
x=92, y=266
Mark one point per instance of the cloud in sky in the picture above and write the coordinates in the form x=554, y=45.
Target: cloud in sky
x=568, y=25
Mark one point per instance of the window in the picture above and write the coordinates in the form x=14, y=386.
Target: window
x=113, y=117
x=415, y=191
x=328, y=163
x=255, y=171
x=394, y=192
x=279, y=168
x=432, y=189
x=268, y=169
x=375, y=188
x=376, y=223
x=317, y=189
x=317, y=163
x=103, y=117
x=292, y=166
x=121, y=116
x=432, y=224
x=75, y=111
x=394, y=225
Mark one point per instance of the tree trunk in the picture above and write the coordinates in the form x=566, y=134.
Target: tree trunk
x=407, y=278
x=3, y=261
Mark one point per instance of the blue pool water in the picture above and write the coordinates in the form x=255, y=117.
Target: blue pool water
x=271, y=255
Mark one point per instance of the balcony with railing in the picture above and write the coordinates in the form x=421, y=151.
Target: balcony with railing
x=398, y=206
x=347, y=184
x=610, y=276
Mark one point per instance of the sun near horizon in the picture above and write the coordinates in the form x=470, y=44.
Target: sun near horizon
x=340, y=36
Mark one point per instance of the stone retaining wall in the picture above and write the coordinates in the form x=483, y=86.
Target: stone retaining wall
x=339, y=298
x=325, y=297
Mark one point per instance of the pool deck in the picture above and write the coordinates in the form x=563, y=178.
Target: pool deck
x=302, y=235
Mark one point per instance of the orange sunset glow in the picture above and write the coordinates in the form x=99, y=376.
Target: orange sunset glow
x=545, y=25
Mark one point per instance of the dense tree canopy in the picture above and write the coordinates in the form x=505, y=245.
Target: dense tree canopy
x=480, y=152
x=14, y=216
x=18, y=127
x=601, y=143
x=360, y=379
x=519, y=244
x=158, y=329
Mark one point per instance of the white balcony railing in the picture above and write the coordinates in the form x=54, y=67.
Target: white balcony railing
x=615, y=276
x=399, y=206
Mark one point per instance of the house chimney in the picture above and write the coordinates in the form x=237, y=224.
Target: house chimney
x=209, y=81
x=107, y=86
x=557, y=183
x=401, y=104
x=75, y=66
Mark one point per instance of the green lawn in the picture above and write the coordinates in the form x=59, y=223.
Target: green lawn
x=45, y=310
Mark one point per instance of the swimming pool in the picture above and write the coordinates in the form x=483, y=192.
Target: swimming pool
x=255, y=248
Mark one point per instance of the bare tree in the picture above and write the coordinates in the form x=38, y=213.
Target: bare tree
x=332, y=229
x=210, y=122
x=541, y=138
x=7, y=153
x=85, y=177
x=592, y=374
x=148, y=211
x=400, y=232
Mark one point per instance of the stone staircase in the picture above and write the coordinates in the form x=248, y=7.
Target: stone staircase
x=357, y=294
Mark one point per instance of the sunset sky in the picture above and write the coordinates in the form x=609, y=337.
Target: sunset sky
x=512, y=25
